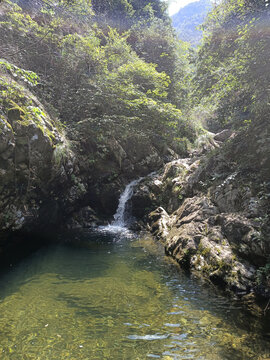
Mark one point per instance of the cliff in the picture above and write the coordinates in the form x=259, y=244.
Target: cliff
x=213, y=213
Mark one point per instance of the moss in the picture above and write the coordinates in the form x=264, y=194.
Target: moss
x=263, y=274
x=4, y=123
x=46, y=132
x=61, y=153
x=233, y=258
x=203, y=250
x=14, y=96
x=233, y=277
x=222, y=265
x=177, y=189
x=207, y=269
x=29, y=77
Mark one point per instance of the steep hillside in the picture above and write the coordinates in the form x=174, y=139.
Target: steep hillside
x=189, y=18
x=95, y=108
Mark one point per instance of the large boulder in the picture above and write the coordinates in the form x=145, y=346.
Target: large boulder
x=196, y=239
x=220, y=223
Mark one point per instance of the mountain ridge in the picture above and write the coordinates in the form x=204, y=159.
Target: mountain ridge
x=189, y=18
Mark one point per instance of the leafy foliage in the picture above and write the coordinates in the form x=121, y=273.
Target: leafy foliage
x=122, y=58
x=125, y=13
x=232, y=65
x=17, y=104
x=29, y=77
x=90, y=68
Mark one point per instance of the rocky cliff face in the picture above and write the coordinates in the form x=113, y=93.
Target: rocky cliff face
x=110, y=156
x=36, y=163
x=215, y=210
x=53, y=176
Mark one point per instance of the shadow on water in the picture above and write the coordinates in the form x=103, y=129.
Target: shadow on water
x=18, y=246
x=96, y=295
x=107, y=294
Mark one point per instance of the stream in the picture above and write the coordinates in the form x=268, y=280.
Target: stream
x=108, y=294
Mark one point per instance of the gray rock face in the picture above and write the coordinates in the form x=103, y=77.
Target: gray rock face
x=38, y=183
x=109, y=160
x=215, y=213
x=160, y=223
x=48, y=175
x=194, y=237
x=83, y=218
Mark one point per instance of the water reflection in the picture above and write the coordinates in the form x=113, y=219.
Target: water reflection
x=118, y=300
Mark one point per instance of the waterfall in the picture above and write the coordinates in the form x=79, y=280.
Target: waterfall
x=121, y=220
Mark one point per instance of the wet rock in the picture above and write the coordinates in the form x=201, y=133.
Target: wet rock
x=32, y=178
x=84, y=218
x=142, y=200
x=219, y=224
x=159, y=223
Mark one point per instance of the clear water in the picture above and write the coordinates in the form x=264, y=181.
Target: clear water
x=109, y=297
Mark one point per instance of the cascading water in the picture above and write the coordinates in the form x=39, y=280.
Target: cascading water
x=121, y=217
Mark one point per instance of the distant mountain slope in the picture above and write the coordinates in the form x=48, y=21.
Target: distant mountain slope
x=188, y=18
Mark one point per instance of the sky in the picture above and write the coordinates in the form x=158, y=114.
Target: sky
x=175, y=5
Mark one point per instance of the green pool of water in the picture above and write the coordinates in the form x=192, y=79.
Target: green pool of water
x=117, y=298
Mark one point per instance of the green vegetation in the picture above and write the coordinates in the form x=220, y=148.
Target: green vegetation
x=263, y=274
x=95, y=61
x=61, y=153
x=29, y=77
x=107, y=59
x=122, y=58
x=19, y=106
x=96, y=93
x=232, y=66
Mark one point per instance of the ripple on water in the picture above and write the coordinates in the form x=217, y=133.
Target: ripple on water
x=112, y=300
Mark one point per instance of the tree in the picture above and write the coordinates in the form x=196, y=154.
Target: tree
x=232, y=63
